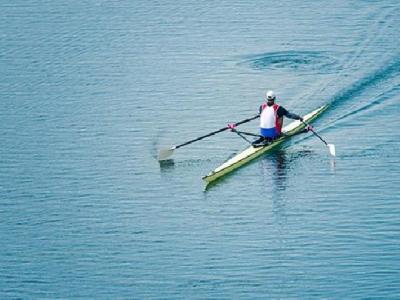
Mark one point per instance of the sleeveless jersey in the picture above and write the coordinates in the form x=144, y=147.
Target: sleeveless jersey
x=270, y=123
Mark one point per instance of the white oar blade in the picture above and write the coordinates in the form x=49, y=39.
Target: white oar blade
x=332, y=149
x=164, y=154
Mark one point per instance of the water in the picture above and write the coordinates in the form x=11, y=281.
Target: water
x=91, y=90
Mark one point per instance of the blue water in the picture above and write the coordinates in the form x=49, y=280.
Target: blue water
x=91, y=90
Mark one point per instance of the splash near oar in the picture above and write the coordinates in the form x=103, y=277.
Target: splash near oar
x=164, y=154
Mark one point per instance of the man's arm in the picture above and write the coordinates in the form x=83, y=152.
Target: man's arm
x=293, y=116
x=283, y=112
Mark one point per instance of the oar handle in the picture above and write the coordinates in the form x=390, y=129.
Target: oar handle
x=316, y=134
x=217, y=131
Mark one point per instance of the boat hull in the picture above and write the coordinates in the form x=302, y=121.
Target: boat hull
x=252, y=153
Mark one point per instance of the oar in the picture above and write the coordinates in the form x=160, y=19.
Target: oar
x=239, y=133
x=331, y=147
x=165, y=153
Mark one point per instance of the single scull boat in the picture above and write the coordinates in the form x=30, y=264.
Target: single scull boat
x=253, y=152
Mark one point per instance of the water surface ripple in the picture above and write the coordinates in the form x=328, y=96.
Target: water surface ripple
x=90, y=90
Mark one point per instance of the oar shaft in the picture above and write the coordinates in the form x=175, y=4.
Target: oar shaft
x=316, y=134
x=215, y=132
x=239, y=133
x=319, y=136
x=331, y=147
x=249, y=133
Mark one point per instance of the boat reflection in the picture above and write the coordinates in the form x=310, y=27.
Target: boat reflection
x=275, y=167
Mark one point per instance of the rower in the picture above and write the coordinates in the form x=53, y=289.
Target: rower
x=271, y=119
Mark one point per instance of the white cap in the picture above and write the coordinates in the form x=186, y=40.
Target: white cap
x=270, y=95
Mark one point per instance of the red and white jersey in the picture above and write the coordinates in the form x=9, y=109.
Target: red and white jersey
x=269, y=117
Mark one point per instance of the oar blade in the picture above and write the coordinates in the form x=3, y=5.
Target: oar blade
x=164, y=154
x=332, y=149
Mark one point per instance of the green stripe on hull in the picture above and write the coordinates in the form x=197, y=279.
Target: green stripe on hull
x=251, y=153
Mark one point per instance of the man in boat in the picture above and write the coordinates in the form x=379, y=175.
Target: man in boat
x=271, y=119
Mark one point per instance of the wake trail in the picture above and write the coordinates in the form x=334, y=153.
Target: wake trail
x=370, y=83
x=379, y=88
x=367, y=55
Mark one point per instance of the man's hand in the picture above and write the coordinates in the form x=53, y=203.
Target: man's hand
x=231, y=126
